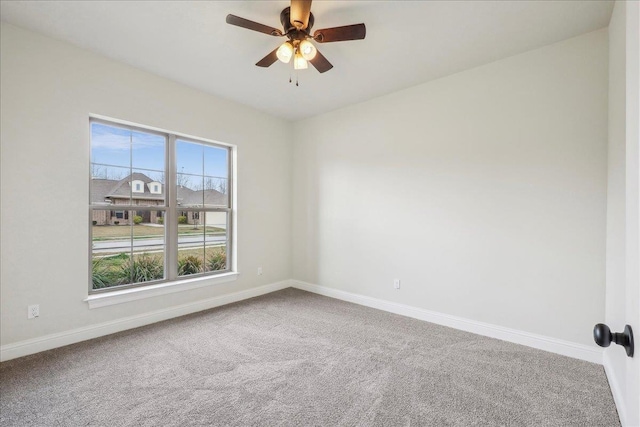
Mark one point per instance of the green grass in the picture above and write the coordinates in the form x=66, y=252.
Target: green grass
x=116, y=232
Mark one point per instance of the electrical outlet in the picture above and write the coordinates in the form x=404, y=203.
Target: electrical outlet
x=259, y=271
x=33, y=311
x=396, y=283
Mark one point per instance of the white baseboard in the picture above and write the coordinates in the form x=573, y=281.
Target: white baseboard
x=48, y=342
x=616, y=391
x=553, y=345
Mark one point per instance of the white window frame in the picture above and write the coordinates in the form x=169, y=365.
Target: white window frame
x=170, y=212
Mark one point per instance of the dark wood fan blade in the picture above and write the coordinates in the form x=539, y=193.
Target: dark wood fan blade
x=268, y=60
x=321, y=63
x=339, y=34
x=250, y=25
x=299, y=15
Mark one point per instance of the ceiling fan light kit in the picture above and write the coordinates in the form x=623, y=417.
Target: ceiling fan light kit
x=297, y=22
x=299, y=62
x=285, y=52
x=307, y=49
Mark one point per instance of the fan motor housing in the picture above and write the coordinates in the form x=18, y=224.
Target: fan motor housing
x=290, y=31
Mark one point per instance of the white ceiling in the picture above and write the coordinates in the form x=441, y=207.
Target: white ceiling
x=407, y=43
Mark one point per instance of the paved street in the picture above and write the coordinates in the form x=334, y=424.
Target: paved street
x=114, y=246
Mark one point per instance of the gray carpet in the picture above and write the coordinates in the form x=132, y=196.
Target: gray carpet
x=297, y=359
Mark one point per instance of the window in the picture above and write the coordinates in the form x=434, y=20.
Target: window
x=155, y=188
x=119, y=214
x=156, y=236
x=138, y=185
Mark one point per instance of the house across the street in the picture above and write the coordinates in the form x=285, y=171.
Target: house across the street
x=144, y=191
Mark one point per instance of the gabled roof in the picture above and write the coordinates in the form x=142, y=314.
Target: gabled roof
x=99, y=189
x=103, y=190
x=122, y=188
x=193, y=198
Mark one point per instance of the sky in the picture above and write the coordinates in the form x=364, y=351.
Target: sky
x=127, y=150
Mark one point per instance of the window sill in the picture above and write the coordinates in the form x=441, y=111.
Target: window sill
x=126, y=295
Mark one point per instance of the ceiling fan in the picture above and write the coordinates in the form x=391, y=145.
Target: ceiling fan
x=297, y=22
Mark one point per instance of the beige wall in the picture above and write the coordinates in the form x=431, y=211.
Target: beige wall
x=49, y=88
x=484, y=192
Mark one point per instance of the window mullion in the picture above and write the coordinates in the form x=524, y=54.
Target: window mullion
x=171, y=220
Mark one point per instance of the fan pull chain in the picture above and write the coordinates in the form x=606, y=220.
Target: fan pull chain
x=295, y=71
x=290, y=71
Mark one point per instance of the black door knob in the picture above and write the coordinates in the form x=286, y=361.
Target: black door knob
x=603, y=337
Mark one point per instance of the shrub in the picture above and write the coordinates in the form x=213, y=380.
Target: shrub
x=108, y=271
x=182, y=220
x=116, y=222
x=94, y=222
x=143, y=268
x=190, y=264
x=217, y=260
x=160, y=220
x=101, y=276
x=137, y=219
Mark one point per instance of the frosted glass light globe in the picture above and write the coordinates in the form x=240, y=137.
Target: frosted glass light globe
x=299, y=63
x=285, y=52
x=307, y=49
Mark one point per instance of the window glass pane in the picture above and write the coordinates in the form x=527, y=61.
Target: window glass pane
x=147, y=246
x=186, y=181
x=189, y=190
x=216, y=241
x=110, y=145
x=191, y=242
x=130, y=250
x=189, y=157
x=203, y=174
x=109, y=185
x=215, y=192
x=147, y=265
x=215, y=161
x=143, y=192
x=147, y=151
x=111, y=249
